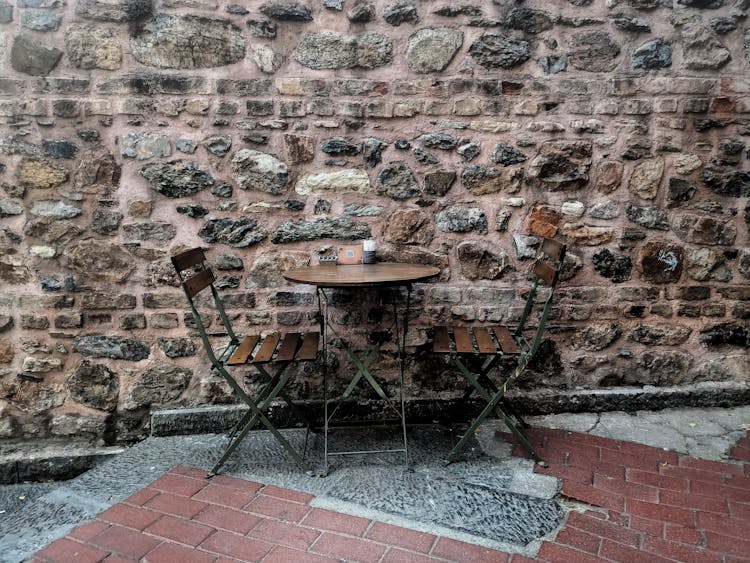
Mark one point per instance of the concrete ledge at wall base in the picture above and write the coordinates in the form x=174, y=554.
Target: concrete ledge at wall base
x=218, y=419
x=34, y=461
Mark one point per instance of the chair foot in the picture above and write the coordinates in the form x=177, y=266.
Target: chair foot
x=210, y=474
x=542, y=463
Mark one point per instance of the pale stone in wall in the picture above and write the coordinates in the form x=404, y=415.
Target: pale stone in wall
x=344, y=181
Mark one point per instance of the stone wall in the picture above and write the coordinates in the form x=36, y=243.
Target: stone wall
x=453, y=133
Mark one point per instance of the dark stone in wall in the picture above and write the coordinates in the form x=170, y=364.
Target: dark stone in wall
x=561, y=165
x=94, y=385
x=649, y=217
x=702, y=4
x=507, y=155
x=403, y=12
x=336, y=5
x=373, y=151
x=654, y=54
x=499, y=51
x=218, y=145
x=459, y=219
x=397, y=181
x=117, y=12
x=59, y=149
x=469, y=151
x=362, y=11
x=630, y=23
x=287, y=11
x=424, y=157
x=105, y=222
x=243, y=87
x=237, y=10
x=735, y=183
x=660, y=335
x=178, y=178
x=438, y=141
x=238, y=233
x=341, y=229
x=553, y=64
x=616, y=267
x=595, y=338
x=263, y=29
x=223, y=190
x=452, y=11
x=528, y=20
x=51, y=284
x=228, y=282
x=340, y=146
x=439, y=182
x=29, y=57
x=679, y=191
x=177, y=347
x=113, y=347
x=726, y=334
x=645, y=4
x=192, y=210
x=723, y=25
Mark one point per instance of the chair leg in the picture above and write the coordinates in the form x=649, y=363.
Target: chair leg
x=518, y=433
x=508, y=406
x=494, y=405
x=256, y=413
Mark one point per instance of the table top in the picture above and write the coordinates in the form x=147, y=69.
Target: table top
x=362, y=275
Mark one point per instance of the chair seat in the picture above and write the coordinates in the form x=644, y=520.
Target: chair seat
x=276, y=347
x=474, y=340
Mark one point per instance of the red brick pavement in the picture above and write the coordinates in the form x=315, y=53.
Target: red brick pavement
x=636, y=503
x=645, y=503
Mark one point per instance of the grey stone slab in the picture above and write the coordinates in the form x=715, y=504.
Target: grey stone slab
x=707, y=433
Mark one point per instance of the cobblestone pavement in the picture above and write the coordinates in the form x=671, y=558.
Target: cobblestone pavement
x=620, y=501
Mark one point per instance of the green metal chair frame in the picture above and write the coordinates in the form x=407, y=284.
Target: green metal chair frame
x=253, y=350
x=499, y=342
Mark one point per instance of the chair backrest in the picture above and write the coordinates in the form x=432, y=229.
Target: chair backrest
x=546, y=271
x=195, y=276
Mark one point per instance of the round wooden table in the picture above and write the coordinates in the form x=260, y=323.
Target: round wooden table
x=362, y=275
x=353, y=276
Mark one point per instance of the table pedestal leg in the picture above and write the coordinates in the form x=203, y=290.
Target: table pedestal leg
x=363, y=371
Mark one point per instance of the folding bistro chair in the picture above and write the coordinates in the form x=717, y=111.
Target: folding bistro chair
x=493, y=344
x=256, y=351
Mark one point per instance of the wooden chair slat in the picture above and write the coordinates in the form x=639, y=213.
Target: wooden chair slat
x=267, y=349
x=188, y=259
x=546, y=273
x=506, y=340
x=553, y=249
x=309, y=349
x=441, y=343
x=198, y=282
x=288, y=347
x=462, y=337
x=484, y=341
x=244, y=350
